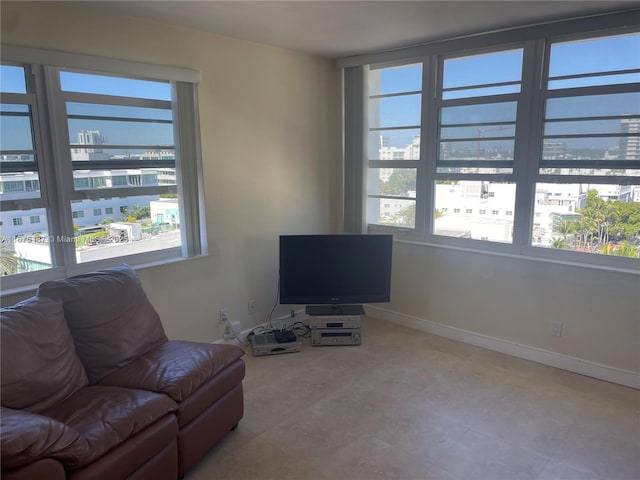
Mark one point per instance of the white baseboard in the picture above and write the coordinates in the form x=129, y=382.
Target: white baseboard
x=573, y=364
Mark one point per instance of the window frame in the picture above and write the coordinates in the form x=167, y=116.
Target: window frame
x=51, y=142
x=536, y=42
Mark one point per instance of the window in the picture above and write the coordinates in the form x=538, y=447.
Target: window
x=394, y=144
x=115, y=138
x=539, y=127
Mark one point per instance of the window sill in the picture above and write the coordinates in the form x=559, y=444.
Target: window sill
x=525, y=256
x=31, y=288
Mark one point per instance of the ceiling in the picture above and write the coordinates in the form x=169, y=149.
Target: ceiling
x=343, y=28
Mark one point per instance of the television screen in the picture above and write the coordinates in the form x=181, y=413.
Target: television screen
x=335, y=269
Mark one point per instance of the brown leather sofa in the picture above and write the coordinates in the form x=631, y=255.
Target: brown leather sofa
x=93, y=389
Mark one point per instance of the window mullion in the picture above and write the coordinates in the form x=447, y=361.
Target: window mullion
x=61, y=182
x=528, y=143
x=429, y=145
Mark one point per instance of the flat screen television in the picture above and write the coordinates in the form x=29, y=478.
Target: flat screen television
x=335, y=274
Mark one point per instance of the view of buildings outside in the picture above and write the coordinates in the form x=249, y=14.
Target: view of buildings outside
x=104, y=227
x=593, y=218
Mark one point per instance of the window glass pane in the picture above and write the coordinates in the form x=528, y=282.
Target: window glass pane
x=474, y=209
x=12, y=79
x=118, y=111
x=392, y=182
x=18, y=186
x=599, y=219
x=592, y=148
x=118, y=178
x=478, y=132
x=401, y=111
x=594, y=81
x=391, y=211
x=405, y=78
x=25, y=242
x=477, y=75
x=394, y=144
x=481, y=92
x=15, y=128
x=610, y=105
x=110, y=132
x=123, y=154
x=593, y=56
x=605, y=128
x=475, y=169
x=98, y=132
x=106, y=85
x=584, y=127
x=480, y=115
x=14, y=108
x=397, y=182
x=137, y=224
x=470, y=134
x=477, y=150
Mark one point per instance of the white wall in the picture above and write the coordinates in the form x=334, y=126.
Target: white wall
x=517, y=300
x=270, y=122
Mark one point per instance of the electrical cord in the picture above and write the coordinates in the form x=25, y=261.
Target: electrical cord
x=235, y=335
x=275, y=304
x=301, y=329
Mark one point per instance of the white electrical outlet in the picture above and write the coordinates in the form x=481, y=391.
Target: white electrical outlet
x=556, y=329
x=224, y=314
x=251, y=307
x=232, y=330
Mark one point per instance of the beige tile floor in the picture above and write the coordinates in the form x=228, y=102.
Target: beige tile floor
x=409, y=405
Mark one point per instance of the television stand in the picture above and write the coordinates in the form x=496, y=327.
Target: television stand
x=333, y=310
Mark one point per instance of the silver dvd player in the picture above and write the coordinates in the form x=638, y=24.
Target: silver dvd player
x=334, y=321
x=266, y=344
x=335, y=336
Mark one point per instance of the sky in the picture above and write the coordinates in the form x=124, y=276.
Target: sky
x=15, y=131
x=567, y=58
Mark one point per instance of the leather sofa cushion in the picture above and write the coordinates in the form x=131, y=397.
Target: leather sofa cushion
x=107, y=416
x=110, y=317
x=38, y=357
x=27, y=437
x=176, y=368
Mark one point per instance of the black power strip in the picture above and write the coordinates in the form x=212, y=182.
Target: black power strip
x=285, y=336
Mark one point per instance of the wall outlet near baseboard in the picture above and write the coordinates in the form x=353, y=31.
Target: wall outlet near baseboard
x=556, y=329
x=232, y=330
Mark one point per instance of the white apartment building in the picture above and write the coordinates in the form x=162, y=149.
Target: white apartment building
x=387, y=152
x=84, y=212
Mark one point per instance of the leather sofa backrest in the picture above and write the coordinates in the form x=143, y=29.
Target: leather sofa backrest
x=110, y=317
x=38, y=357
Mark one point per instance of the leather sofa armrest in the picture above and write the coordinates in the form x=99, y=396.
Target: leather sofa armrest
x=45, y=468
x=27, y=437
